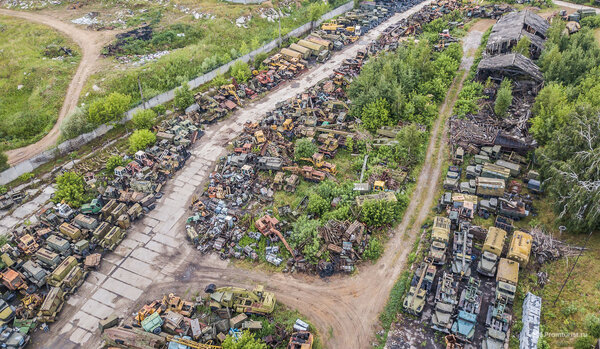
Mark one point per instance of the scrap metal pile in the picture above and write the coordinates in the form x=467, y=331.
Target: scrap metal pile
x=205, y=322
x=241, y=185
x=47, y=259
x=294, y=60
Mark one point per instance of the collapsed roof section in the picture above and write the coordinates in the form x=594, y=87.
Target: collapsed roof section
x=513, y=65
x=507, y=32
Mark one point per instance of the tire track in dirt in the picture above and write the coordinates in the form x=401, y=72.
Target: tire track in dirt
x=90, y=44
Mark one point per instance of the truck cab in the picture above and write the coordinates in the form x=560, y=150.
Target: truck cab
x=492, y=248
x=440, y=236
x=64, y=211
x=507, y=279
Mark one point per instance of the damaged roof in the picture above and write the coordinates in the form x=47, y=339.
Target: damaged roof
x=513, y=65
x=513, y=26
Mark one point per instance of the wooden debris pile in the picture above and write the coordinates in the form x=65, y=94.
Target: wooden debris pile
x=546, y=248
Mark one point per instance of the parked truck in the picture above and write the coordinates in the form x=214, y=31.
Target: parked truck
x=100, y=232
x=490, y=186
x=106, y=211
x=52, y=304
x=70, y=231
x=48, y=258
x=492, y=248
x=85, y=222
x=113, y=238
x=520, y=248
x=58, y=275
x=92, y=207
x=440, y=237
x=58, y=244
x=507, y=279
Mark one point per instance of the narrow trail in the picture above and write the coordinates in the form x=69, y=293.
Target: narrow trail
x=90, y=44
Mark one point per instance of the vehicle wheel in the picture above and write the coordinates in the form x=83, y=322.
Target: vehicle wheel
x=156, y=330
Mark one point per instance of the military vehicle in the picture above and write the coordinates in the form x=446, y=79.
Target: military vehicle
x=492, y=248
x=48, y=258
x=446, y=299
x=113, y=238
x=27, y=244
x=64, y=211
x=240, y=300
x=495, y=171
x=497, y=322
x=507, y=279
x=462, y=252
x=420, y=286
x=440, y=237
x=100, y=231
x=52, y=305
x=7, y=313
x=469, y=306
x=520, y=248
x=92, y=207
x=70, y=231
x=270, y=163
x=35, y=274
x=85, y=222
x=58, y=275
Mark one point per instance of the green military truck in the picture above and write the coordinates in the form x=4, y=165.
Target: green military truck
x=113, y=238
x=57, y=276
x=52, y=305
x=47, y=257
x=91, y=208
x=58, y=244
x=70, y=232
x=100, y=232
x=492, y=248
x=507, y=279
x=440, y=237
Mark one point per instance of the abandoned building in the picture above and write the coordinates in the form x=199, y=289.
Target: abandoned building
x=514, y=66
x=511, y=27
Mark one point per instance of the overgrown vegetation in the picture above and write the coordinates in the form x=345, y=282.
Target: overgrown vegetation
x=108, y=109
x=140, y=139
x=71, y=189
x=144, y=119
x=504, y=98
x=468, y=98
x=404, y=86
x=34, y=77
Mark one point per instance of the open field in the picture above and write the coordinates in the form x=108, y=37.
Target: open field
x=34, y=76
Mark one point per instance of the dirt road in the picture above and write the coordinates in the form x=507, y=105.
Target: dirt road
x=90, y=44
x=155, y=258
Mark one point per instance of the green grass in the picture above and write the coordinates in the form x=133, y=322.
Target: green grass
x=28, y=113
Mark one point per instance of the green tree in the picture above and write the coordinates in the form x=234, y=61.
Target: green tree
x=411, y=147
x=376, y=114
x=522, y=46
x=183, y=97
x=304, y=148
x=3, y=161
x=75, y=124
x=113, y=162
x=302, y=229
x=160, y=109
x=316, y=10
x=70, y=188
x=571, y=172
x=374, y=249
x=317, y=205
x=140, y=139
x=379, y=213
x=109, y=108
x=550, y=112
x=144, y=119
x=503, y=98
x=240, y=71
x=246, y=341
x=468, y=97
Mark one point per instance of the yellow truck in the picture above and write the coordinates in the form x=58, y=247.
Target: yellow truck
x=520, y=248
x=489, y=186
x=70, y=231
x=52, y=305
x=507, y=279
x=58, y=275
x=440, y=237
x=491, y=251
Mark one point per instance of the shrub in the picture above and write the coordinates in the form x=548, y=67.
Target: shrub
x=374, y=249
x=468, y=98
x=183, y=97
x=245, y=341
x=26, y=176
x=304, y=148
x=75, y=124
x=70, y=188
x=317, y=205
x=523, y=46
x=586, y=342
x=3, y=189
x=114, y=162
x=140, y=139
x=259, y=58
x=302, y=230
x=3, y=162
x=503, y=98
x=109, y=108
x=240, y=71
x=590, y=22
x=378, y=213
x=376, y=114
x=160, y=109
x=144, y=119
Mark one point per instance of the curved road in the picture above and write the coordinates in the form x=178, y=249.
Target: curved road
x=90, y=44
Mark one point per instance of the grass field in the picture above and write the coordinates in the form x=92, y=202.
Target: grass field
x=33, y=82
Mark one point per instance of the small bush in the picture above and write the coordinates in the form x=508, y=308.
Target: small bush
x=374, y=249
x=109, y=108
x=70, y=188
x=3, y=161
x=3, y=189
x=75, y=124
x=468, y=98
x=305, y=148
x=183, y=97
x=141, y=139
x=144, y=119
x=113, y=162
x=240, y=71
x=586, y=342
x=590, y=22
x=503, y=98
x=160, y=109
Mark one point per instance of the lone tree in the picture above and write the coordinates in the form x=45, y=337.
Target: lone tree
x=144, y=119
x=305, y=148
x=503, y=98
x=70, y=188
x=523, y=46
x=140, y=139
x=183, y=97
x=240, y=71
x=109, y=108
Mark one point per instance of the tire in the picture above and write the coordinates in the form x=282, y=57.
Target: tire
x=156, y=330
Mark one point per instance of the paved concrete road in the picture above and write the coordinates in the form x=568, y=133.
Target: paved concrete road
x=155, y=255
